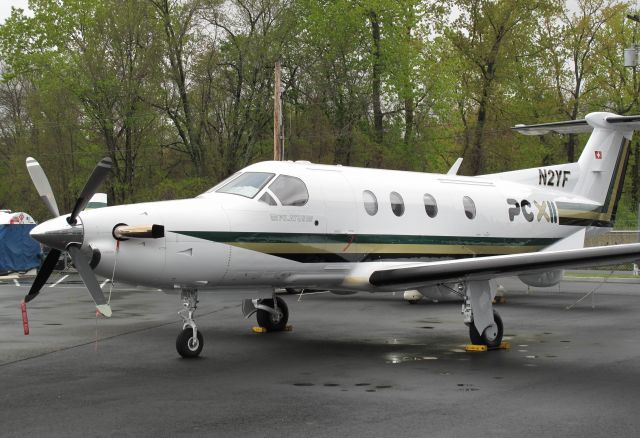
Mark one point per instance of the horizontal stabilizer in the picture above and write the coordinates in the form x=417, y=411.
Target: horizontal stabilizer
x=579, y=126
x=569, y=127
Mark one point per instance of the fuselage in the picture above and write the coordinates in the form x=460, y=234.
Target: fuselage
x=350, y=216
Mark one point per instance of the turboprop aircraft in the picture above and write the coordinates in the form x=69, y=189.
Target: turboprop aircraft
x=345, y=229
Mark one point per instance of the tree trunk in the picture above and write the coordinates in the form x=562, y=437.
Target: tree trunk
x=408, y=119
x=376, y=84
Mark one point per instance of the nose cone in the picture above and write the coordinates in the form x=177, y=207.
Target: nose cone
x=57, y=233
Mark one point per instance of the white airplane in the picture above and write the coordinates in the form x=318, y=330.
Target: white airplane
x=303, y=225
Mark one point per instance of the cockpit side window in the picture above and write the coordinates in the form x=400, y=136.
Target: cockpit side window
x=290, y=190
x=267, y=199
x=248, y=184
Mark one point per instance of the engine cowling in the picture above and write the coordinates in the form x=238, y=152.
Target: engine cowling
x=543, y=279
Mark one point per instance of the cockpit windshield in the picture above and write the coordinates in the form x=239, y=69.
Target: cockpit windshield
x=248, y=184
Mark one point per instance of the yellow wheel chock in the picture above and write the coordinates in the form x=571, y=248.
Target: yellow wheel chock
x=472, y=347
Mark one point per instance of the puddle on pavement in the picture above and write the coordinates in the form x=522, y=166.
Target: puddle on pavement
x=467, y=387
x=396, y=358
x=331, y=384
x=303, y=384
x=363, y=384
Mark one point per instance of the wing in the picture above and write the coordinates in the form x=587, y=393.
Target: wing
x=420, y=274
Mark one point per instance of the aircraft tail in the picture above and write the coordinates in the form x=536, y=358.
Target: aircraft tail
x=598, y=175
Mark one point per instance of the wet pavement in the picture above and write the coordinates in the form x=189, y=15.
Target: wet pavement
x=358, y=365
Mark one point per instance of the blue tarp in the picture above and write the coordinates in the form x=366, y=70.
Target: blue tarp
x=18, y=251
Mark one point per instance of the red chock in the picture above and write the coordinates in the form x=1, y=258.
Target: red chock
x=25, y=320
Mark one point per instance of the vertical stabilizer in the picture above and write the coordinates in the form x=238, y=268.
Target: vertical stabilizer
x=595, y=181
x=601, y=170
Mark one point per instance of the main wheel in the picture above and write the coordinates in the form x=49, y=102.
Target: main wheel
x=273, y=323
x=491, y=336
x=187, y=345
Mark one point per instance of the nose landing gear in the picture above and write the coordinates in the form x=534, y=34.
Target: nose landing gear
x=190, y=341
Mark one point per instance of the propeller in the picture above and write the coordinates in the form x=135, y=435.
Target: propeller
x=42, y=185
x=66, y=233
x=98, y=175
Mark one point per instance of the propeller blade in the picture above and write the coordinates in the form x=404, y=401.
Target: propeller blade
x=42, y=185
x=97, y=177
x=89, y=279
x=43, y=274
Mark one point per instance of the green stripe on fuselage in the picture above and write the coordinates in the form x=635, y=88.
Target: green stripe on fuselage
x=363, y=245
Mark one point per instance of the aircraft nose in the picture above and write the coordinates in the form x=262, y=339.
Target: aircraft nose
x=57, y=233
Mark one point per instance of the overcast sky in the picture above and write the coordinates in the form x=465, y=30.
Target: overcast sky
x=5, y=7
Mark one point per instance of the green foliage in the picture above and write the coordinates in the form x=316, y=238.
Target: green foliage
x=179, y=92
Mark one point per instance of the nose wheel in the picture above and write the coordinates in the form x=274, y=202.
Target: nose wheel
x=190, y=341
x=187, y=345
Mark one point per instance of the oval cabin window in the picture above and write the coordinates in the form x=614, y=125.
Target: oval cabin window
x=397, y=204
x=469, y=207
x=430, y=205
x=370, y=202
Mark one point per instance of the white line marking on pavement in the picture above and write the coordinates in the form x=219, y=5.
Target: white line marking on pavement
x=57, y=282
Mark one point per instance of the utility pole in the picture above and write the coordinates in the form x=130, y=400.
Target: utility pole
x=278, y=125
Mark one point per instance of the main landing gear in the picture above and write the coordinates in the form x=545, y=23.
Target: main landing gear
x=485, y=324
x=272, y=314
x=190, y=341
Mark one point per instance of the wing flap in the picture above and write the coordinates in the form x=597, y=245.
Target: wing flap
x=416, y=275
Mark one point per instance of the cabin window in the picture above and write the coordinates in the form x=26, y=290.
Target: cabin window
x=267, y=199
x=370, y=202
x=469, y=207
x=397, y=204
x=248, y=184
x=430, y=205
x=290, y=190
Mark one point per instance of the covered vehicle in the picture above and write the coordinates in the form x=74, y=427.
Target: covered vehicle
x=18, y=251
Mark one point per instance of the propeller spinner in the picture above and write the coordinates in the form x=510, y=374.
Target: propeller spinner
x=66, y=232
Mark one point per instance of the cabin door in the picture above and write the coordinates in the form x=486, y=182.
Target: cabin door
x=339, y=214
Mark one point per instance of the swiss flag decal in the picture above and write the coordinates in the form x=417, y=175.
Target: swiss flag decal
x=598, y=155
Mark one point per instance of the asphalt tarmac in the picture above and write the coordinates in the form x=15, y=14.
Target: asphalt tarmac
x=359, y=365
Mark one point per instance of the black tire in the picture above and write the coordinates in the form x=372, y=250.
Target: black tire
x=185, y=347
x=412, y=301
x=269, y=321
x=478, y=339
